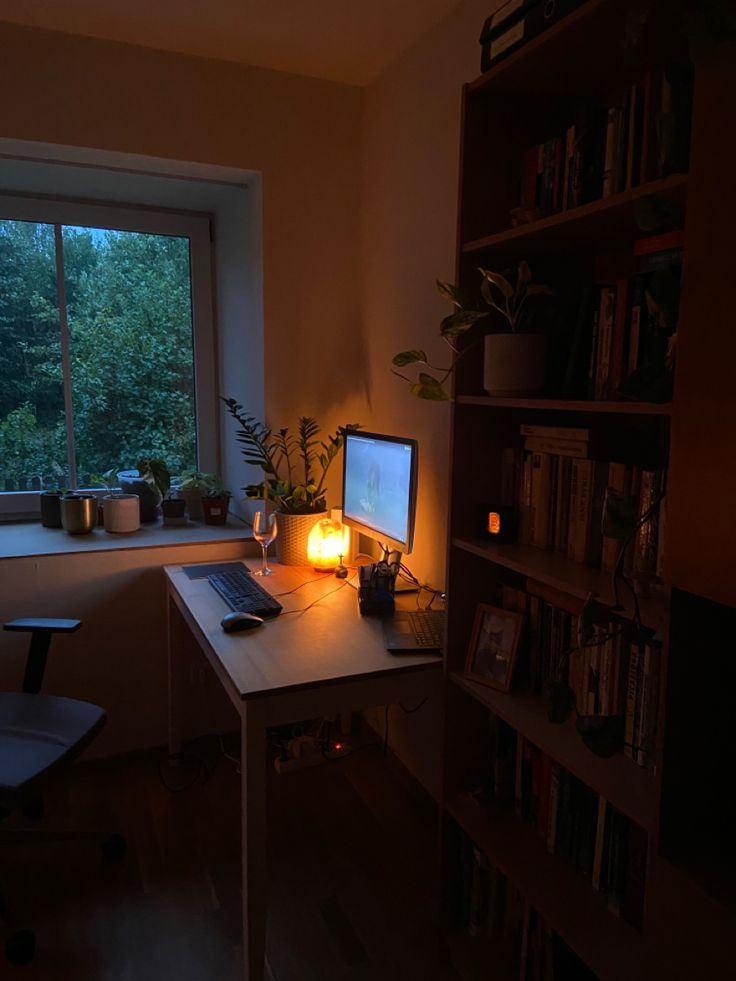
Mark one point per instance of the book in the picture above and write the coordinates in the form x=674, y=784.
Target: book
x=605, y=334
x=541, y=478
x=581, y=480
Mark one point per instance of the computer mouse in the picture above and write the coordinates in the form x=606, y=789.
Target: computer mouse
x=235, y=622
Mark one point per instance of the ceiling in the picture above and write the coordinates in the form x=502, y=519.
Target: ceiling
x=339, y=40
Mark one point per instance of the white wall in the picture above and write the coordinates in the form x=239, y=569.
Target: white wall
x=409, y=182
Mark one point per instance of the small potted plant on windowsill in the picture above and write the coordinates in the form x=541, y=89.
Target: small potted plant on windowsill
x=515, y=349
x=121, y=512
x=193, y=488
x=216, y=501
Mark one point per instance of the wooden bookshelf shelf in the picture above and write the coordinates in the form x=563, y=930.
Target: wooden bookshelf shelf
x=630, y=788
x=609, y=218
x=579, y=31
x=612, y=948
x=569, y=405
x=563, y=574
x=475, y=957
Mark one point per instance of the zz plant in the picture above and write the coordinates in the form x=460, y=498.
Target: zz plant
x=294, y=465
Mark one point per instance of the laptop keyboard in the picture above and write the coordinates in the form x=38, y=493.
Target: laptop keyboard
x=242, y=593
x=428, y=627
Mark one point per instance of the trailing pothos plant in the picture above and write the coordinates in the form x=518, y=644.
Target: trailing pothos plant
x=602, y=734
x=503, y=294
x=294, y=465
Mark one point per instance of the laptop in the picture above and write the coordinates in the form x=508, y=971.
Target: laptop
x=415, y=631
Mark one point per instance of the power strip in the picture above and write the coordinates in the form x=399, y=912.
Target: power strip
x=305, y=751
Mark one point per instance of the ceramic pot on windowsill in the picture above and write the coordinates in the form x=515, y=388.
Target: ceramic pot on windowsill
x=121, y=513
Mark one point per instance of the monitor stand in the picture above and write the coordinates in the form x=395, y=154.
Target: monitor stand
x=377, y=583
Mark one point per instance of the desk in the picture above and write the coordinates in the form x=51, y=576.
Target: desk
x=300, y=665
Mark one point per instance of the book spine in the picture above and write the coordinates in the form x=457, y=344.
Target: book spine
x=525, y=503
x=611, y=546
x=632, y=691
x=582, y=474
x=541, y=475
x=599, y=839
x=609, y=160
x=605, y=333
x=567, y=174
x=618, y=336
x=554, y=803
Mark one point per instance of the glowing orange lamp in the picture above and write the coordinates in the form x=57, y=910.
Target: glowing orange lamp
x=328, y=540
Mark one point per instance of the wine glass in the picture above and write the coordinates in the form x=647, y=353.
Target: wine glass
x=265, y=529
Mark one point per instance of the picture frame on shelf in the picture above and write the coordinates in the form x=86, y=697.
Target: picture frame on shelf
x=493, y=646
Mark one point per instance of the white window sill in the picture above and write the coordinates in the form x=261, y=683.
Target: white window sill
x=28, y=538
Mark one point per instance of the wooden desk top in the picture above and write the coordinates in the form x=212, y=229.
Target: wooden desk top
x=329, y=642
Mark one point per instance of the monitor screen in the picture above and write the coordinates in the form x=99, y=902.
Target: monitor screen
x=379, y=487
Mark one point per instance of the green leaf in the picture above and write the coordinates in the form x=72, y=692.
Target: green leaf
x=536, y=289
x=524, y=275
x=458, y=323
x=448, y=290
x=408, y=357
x=560, y=700
x=429, y=388
x=499, y=281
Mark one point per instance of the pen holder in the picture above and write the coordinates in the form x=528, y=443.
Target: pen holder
x=376, y=586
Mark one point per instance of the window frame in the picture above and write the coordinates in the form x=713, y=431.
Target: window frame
x=196, y=226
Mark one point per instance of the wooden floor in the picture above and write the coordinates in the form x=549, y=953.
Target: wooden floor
x=352, y=851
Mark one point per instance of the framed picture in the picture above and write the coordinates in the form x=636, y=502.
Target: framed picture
x=493, y=646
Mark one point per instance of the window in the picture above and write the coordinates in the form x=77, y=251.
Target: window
x=106, y=344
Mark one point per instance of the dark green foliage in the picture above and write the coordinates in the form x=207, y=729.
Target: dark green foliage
x=129, y=312
x=297, y=486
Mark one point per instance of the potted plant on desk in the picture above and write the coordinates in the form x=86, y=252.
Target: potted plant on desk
x=294, y=468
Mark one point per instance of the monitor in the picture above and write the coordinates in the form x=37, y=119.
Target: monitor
x=379, y=487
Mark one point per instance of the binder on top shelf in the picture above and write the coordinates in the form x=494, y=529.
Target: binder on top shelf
x=517, y=22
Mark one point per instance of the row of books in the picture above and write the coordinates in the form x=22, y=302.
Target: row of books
x=496, y=909
x=632, y=320
x=583, y=829
x=561, y=493
x=609, y=676
x=605, y=150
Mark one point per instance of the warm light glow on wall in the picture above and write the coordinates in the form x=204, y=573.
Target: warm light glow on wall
x=328, y=540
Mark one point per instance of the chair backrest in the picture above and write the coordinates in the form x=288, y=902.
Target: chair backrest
x=41, y=630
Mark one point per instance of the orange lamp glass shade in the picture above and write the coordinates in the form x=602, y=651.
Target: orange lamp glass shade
x=494, y=523
x=327, y=541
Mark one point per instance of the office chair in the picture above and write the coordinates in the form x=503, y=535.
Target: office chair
x=39, y=733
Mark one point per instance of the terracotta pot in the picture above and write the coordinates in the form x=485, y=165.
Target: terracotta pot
x=215, y=510
x=514, y=365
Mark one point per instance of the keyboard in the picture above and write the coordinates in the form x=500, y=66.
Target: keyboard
x=241, y=592
x=415, y=630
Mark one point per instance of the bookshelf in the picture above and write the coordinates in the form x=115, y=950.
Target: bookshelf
x=681, y=886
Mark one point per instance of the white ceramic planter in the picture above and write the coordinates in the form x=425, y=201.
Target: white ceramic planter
x=122, y=513
x=514, y=365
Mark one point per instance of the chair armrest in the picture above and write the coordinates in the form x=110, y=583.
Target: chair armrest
x=51, y=626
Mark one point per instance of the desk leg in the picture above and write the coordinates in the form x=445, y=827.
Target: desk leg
x=174, y=623
x=253, y=796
